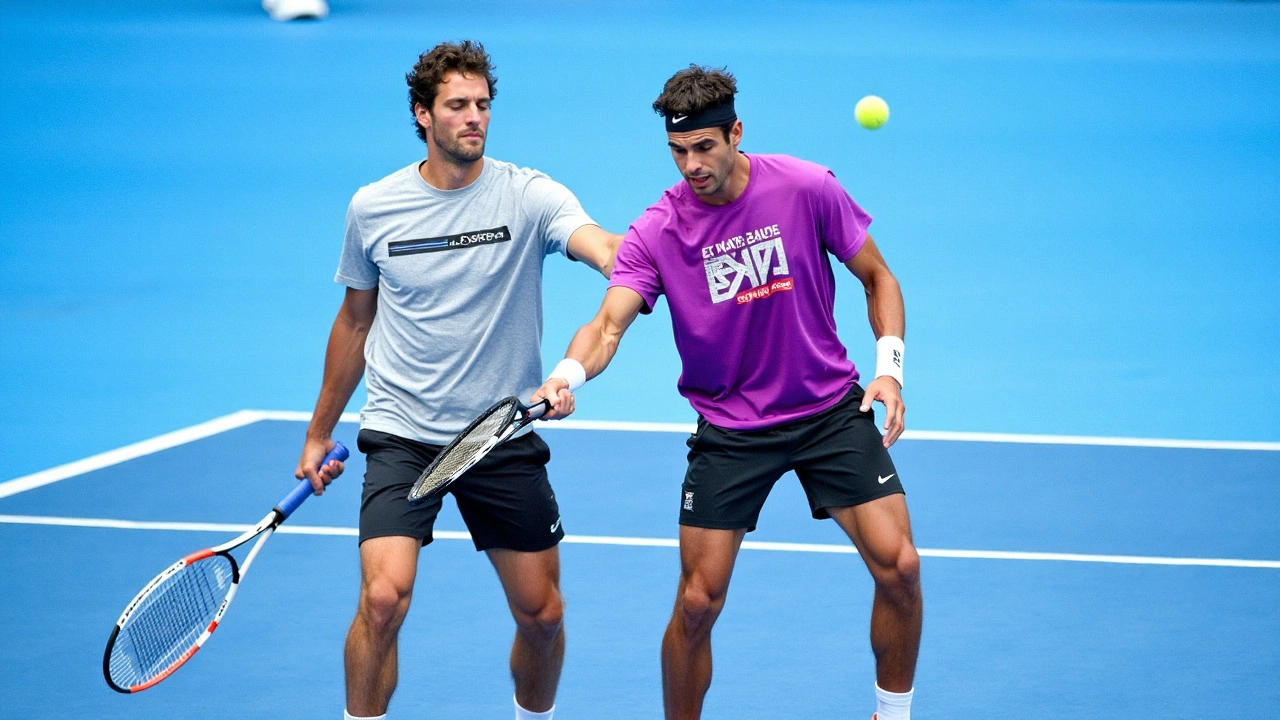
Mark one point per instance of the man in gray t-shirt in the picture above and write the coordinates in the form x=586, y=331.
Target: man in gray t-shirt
x=442, y=262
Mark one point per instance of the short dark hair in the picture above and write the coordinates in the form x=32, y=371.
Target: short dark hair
x=694, y=89
x=467, y=57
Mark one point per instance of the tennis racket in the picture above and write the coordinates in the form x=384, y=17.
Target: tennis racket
x=484, y=434
x=174, y=614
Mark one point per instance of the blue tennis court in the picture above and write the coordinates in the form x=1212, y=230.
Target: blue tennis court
x=1038, y=591
x=1081, y=200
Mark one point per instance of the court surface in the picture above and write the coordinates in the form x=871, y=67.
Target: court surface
x=1058, y=577
x=1081, y=200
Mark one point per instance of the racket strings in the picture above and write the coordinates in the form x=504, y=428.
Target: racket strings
x=465, y=450
x=170, y=620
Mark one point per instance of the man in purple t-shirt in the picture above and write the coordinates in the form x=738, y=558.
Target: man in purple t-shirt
x=741, y=249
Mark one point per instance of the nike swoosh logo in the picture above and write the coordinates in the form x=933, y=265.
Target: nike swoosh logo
x=556, y=525
x=678, y=120
x=884, y=480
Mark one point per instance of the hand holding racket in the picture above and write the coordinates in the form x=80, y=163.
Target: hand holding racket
x=486, y=432
x=174, y=614
x=317, y=467
x=559, y=393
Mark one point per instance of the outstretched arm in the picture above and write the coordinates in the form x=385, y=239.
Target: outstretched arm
x=888, y=318
x=596, y=247
x=593, y=346
x=343, y=368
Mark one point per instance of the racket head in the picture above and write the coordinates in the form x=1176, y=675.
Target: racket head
x=465, y=450
x=168, y=620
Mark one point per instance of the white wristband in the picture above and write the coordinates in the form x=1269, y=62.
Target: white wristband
x=889, y=351
x=572, y=372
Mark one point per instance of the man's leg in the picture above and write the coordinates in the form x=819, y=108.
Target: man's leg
x=881, y=530
x=388, y=566
x=706, y=564
x=531, y=581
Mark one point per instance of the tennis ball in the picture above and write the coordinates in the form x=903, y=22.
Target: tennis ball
x=871, y=112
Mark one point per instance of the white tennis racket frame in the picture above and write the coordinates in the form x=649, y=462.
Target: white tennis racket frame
x=265, y=528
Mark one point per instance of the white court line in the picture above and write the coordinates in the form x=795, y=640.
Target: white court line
x=298, y=416
x=657, y=542
x=128, y=452
x=625, y=426
x=941, y=435
x=947, y=436
x=247, y=417
x=1089, y=440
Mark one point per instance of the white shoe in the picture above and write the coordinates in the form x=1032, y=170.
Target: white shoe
x=296, y=9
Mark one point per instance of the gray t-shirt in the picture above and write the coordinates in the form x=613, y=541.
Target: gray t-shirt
x=459, y=278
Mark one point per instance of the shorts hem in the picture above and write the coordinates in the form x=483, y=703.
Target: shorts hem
x=397, y=532
x=531, y=547
x=821, y=512
x=719, y=524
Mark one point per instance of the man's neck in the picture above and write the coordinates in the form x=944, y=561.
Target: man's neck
x=443, y=175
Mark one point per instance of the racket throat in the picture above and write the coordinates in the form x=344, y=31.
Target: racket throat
x=253, y=552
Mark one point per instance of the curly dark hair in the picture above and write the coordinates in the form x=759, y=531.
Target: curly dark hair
x=694, y=89
x=467, y=57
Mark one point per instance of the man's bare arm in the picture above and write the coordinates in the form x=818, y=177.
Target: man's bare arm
x=888, y=317
x=343, y=368
x=885, y=308
x=594, y=345
x=596, y=247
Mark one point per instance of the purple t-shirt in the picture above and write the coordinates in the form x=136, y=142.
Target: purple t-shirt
x=751, y=290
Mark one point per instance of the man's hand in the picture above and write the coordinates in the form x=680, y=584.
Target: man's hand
x=313, y=451
x=886, y=390
x=556, y=390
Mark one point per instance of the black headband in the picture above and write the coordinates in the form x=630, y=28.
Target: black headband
x=721, y=114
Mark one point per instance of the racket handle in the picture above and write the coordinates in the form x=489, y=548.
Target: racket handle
x=304, y=489
x=538, y=409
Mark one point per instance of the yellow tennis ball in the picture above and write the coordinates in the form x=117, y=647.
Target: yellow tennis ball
x=871, y=112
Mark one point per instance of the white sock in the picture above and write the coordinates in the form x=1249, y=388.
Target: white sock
x=893, y=706
x=522, y=714
x=348, y=716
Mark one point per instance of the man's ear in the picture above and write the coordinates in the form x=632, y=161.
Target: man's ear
x=423, y=116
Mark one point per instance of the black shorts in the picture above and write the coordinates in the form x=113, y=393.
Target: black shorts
x=837, y=454
x=505, y=500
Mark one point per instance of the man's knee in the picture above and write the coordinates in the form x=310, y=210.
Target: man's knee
x=899, y=574
x=384, y=604
x=542, y=619
x=700, y=606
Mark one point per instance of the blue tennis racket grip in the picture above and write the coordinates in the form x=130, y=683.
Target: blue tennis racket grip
x=304, y=489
